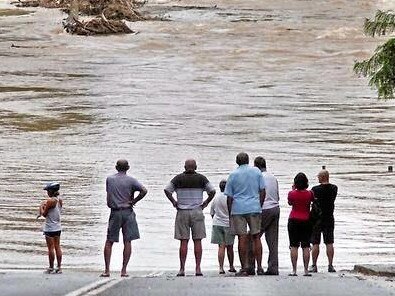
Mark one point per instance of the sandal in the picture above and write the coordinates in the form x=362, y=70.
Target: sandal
x=49, y=270
x=104, y=274
x=260, y=271
x=241, y=272
x=58, y=270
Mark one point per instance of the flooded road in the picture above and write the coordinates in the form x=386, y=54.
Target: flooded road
x=272, y=78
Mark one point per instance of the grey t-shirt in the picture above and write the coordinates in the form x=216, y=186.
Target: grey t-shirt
x=120, y=190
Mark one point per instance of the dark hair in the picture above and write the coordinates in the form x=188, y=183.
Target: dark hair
x=222, y=185
x=242, y=158
x=301, y=182
x=122, y=165
x=53, y=193
x=260, y=162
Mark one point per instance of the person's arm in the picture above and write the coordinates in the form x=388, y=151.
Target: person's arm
x=229, y=202
x=143, y=192
x=262, y=196
x=210, y=197
x=278, y=191
x=290, y=198
x=46, y=206
x=212, y=208
x=170, y=197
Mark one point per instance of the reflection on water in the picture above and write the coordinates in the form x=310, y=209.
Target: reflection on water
x=272, y=79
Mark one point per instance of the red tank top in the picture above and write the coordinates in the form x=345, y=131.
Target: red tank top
x=300, y=201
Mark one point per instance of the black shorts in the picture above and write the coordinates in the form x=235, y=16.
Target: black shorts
x=299, y=233
x=52, y=233
x=326, y=228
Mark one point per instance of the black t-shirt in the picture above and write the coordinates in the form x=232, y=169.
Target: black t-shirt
x=326, y=196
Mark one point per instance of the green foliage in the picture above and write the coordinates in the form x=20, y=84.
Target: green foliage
x=383, y=24
x=380, y=67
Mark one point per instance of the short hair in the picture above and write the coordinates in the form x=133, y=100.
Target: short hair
x=122, y=165
x=301, y=182
x=242, y=158
x=324, y=175
x=190, y=165
x=260, y=162
x=222, y=185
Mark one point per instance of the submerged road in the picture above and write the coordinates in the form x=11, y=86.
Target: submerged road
x=76, y=283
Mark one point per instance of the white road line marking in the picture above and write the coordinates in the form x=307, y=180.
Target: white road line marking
x=154, y=274
x=104, y=287
x=94, y=287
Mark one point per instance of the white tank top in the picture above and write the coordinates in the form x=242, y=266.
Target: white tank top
x=52, y=221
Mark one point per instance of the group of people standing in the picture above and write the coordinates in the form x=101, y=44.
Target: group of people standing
x=247, y=207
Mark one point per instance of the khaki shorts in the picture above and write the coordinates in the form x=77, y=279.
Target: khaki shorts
x=239, y=223
x=221, y=235
x=187, y=221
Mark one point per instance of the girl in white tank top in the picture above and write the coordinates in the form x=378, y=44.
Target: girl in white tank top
x=51, y=210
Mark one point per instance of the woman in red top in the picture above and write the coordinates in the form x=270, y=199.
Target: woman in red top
x=299, y=229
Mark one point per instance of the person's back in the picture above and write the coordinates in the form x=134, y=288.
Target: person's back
x=244, y=186
x=120, y=189
x=52, y=219
x=300, y=201
x=326, y=196
x=219, y=210
x=271, y=187
x=189, y=187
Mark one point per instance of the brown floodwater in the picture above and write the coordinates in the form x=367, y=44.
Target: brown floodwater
x=272, y=78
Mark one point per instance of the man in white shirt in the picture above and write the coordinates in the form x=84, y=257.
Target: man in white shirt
x=270, y=216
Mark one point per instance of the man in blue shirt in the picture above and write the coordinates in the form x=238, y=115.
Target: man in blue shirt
x=245, y=190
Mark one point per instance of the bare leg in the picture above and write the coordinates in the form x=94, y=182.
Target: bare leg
x=306, y=259
x=183, y=255
x=197, y=247
x=257, y=250
x=243, y=251
x=221, y=257
x=127, y=252
x=229, y=250
x=107, y=257
x=58, y=251
x=51, y=250
x=294, y=259
x=314, y=254
x=330, y=252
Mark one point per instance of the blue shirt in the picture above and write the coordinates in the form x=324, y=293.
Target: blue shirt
x=244, y=185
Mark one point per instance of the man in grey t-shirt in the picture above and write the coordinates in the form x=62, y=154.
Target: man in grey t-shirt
x=120, y=199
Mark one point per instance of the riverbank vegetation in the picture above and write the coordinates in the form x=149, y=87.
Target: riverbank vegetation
x=380, y=67
x=92, y=17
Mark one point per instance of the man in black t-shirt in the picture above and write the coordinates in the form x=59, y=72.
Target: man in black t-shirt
x=325, y=195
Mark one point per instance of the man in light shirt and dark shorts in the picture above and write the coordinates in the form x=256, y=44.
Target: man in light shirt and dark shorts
x=189, y=187
x=120, y=199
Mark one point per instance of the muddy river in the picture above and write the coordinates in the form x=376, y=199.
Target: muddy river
x=272, y=78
